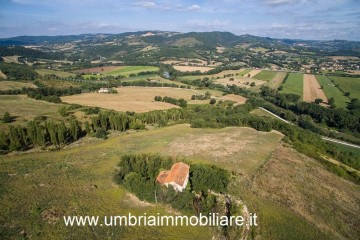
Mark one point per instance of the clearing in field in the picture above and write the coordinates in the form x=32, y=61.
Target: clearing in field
x=312, y=89
x=265, y=75
x=348, y=84
x=135, y=99
x=11, y=85
x=192, y=68
x=277, y=80
x=332, y=92
x=293, y=84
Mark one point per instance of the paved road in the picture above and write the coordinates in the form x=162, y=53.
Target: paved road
x=324, y=138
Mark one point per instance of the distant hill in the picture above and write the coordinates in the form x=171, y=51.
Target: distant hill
x=207, y=39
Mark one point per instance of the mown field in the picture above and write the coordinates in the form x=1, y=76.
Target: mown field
x=348, y=84
x=265, y=75
x=11, y=85
x=331, y=91
x=137, y=99
x=37, y=189
x=293, y=84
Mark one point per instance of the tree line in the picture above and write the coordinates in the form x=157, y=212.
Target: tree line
x=178, y=102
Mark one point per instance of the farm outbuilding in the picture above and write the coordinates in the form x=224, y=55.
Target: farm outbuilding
x=177, y=177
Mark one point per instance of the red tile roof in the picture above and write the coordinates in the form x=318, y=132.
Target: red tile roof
x=178, y=174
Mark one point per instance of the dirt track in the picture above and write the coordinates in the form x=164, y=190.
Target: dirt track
x=312, y=89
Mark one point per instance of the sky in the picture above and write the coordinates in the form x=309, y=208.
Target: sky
x=293, y=19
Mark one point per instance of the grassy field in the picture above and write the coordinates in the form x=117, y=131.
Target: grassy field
x=265, y=75
x=125, y=71
x=23, y=108
x=294, y=193
x=57, y=73
x=293, y=84
x=262, y=113
x=55, y=83
x=348, y=84
x=331, y=91
x=11, y=85
x=137, y=99
x=38, y=188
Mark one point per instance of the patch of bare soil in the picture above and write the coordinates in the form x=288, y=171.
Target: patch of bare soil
x=217, y=145
x=303, y=185
x=52, y=216
x=132, y=200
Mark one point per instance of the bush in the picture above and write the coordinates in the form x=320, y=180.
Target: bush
x=6, y=118
x=101, y=133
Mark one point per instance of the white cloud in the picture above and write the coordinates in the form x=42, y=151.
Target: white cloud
x=194, y=7
x=283, y=2
x=145, y=4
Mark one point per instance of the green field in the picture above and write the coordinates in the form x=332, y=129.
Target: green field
x=348, y=84
x=293, y=84
x=125, y=71
x=265, y=75
x=331, y=91
x=57, y=73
